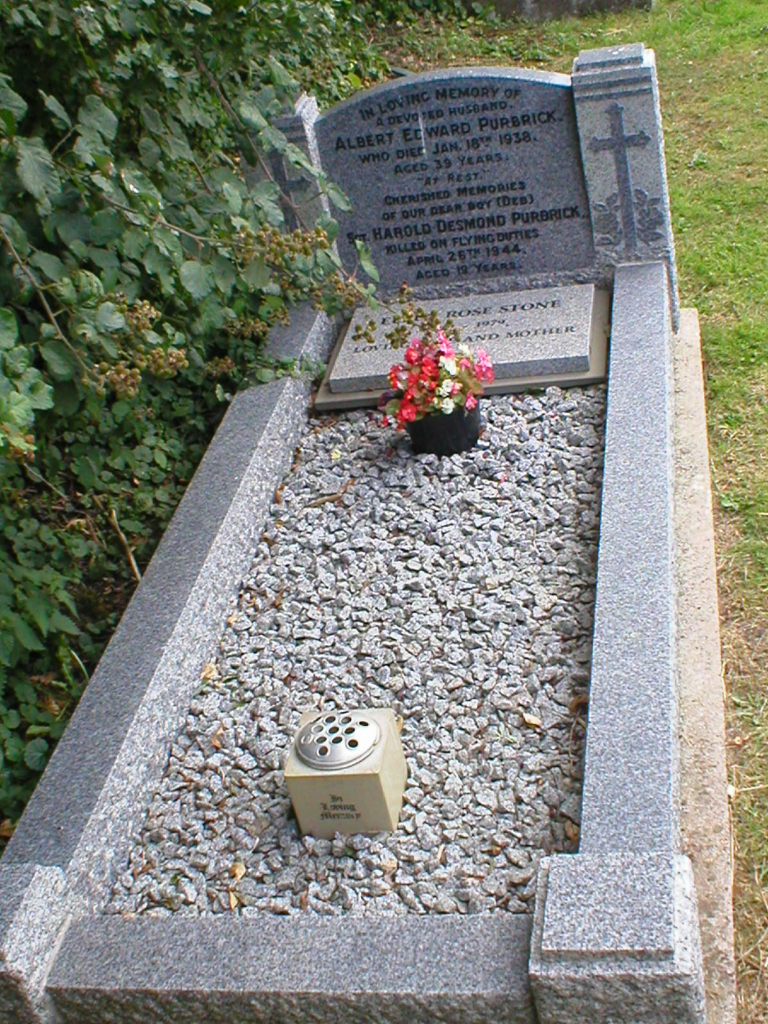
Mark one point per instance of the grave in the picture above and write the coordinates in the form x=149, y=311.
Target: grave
x=570, y=172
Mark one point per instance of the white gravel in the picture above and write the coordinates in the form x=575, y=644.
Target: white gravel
x=459, y=592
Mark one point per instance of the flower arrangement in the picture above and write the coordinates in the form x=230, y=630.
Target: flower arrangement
x=438, y=375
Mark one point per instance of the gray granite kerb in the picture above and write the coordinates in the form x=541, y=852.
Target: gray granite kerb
x=616, y=932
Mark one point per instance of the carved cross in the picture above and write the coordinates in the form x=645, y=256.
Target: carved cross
x=618, y=144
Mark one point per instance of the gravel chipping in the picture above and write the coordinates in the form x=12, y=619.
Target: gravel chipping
x=458, y=591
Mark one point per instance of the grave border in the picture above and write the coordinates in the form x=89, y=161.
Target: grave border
x=399, y=998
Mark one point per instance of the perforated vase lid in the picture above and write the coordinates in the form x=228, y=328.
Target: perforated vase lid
x=337, y=739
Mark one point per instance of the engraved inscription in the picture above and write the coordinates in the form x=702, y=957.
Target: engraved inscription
x=525, y=333
x=336, y=809
x=460, y=177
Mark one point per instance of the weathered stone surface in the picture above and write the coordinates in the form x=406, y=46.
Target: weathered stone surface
x=704, y=823
x=630, y=790
x=33, y=913
x=529, y=333
x=460, y=175
x=616, y=934
x=616, y=941
x=182, y=971
x=616, y=93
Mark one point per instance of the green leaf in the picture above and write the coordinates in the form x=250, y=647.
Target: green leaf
x=264, y=195
x=224, y=274
x=66, y=398
x=257, y=275
x=329, y=224
x=11, y=719
x=64, y=624
x=24, y=633
x=279, y=75
x=50, y=265
x=10, y=100
x=9, y=122
x=55, y=109
x=35, y=754
x=300, y=159
x=39, y=393
x=109, y=318
x=16, y=360
x=14, y=748
x=38, y=609
x=338, y=198
x=199, y=8
x=16, y=233
x=273, y=138
x=364, y=255
x=251, y=114
x=233, y=197
x=59, y=359
x=9, y=329
x=36, y=170
x=96, y=116
x=197, y=278
x=38, y=730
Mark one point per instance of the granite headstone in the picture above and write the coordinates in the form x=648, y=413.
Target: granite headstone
x=460, y=175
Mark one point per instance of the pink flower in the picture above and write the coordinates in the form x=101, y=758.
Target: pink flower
x=444, y=345
x=471, y=402
x=483, y=366
x=465, y=363
x=455, y=388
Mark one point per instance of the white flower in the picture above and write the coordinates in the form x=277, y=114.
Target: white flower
x=447, y=405
x=464, y=350
x=449, y=365
x=445, y=388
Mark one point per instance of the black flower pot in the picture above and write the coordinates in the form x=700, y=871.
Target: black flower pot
x=445, y=433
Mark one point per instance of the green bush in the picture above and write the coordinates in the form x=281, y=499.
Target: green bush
x=142, y=262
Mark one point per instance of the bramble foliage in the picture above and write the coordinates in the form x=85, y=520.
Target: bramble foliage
x=142, y=262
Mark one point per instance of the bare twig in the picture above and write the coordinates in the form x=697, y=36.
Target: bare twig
x=200, y=239
x=329, y=497
x=124, y=541
x=199, y=170
x=43, y=300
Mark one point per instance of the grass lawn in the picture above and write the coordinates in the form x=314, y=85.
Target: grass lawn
x=713, y=70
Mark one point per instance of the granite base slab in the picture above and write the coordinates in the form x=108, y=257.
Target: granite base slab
x=327, y=399
x=542, y=331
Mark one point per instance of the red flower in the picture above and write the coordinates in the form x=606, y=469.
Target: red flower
x=408, y=411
